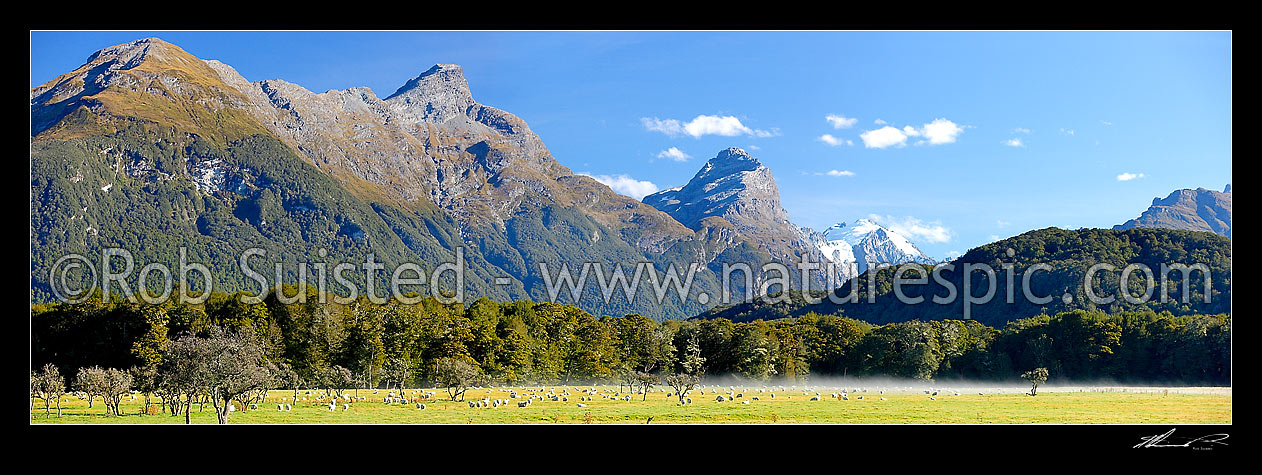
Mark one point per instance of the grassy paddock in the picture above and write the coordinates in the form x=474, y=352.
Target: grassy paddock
x=1054, y=406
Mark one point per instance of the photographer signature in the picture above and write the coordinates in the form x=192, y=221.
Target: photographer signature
x=1161, y=441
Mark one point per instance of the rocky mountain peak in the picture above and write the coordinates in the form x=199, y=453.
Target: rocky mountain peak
x=440, y=82
x=132, y=53
x=437, y=78
x=1196, y=210
x=728, y=162
x=734, y=187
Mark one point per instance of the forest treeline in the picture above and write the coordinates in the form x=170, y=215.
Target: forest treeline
x=525, y=342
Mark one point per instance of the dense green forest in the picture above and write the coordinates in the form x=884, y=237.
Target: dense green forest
x=1068, y=254
x=526, y=342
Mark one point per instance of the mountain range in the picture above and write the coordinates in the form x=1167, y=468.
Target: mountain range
x=149, y=148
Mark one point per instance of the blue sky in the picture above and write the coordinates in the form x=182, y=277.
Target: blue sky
x=1088, y=109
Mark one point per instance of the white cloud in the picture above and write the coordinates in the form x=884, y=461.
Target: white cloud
x=942, y=131
x=1021, y=130
x=830, y=140
x=914, y=228
x=727, y=126
x=1066, y=131
x=1001, y=223
x=993, y=238
x=883, y=137
x=753, y=147
x=1129, y=176
x=879, y=122
x=1106, y=123
x=840, y=122
x=952, y=254
x=626, y=185
x=674, y=154
x=1014, y=142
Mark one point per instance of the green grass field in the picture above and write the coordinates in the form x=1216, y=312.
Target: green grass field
x=788, y=407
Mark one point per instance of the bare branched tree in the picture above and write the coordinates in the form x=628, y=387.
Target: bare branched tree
x=48, y=385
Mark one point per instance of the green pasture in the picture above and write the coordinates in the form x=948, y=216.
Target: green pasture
x=787, y=407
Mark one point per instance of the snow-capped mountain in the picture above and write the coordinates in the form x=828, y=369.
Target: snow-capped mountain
x=865, y=243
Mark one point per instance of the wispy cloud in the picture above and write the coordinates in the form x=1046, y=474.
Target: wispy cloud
x=914, y=228
x=625, y=185
x=1002, y=224
x=1129, y=176
x=1014, y=142
x=1021, y=130
x=702, y=125
x=840, y=121
x=834, y=173
x=879, y=122
x=834, y=141
x=1066, y=131
x=1106, y=123
x=674, y=154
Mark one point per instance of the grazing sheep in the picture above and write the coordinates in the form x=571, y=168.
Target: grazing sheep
x=745, y=401
x=280, y=407
x=883, y=399
x=814, y=398
x=346, y=407
x=581, y=405
x=420, y=406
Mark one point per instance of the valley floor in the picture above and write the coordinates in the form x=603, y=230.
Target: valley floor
x=904, y=405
